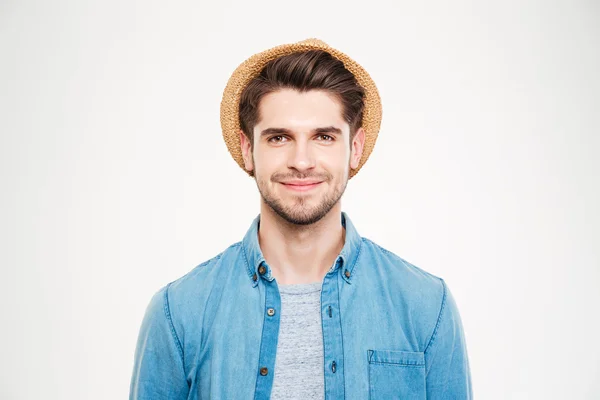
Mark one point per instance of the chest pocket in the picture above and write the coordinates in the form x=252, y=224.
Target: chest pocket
x=396, y=374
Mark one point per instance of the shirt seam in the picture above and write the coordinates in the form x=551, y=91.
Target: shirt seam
x=358, y=251
x=167, y=310
x=439, y=319
x=246, y=259
x=339, y=304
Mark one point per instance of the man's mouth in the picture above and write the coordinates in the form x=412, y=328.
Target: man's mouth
x=301, y=186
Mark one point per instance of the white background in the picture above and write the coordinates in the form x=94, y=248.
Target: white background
x=115, y=179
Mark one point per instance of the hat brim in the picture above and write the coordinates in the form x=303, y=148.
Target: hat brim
x=252, y=67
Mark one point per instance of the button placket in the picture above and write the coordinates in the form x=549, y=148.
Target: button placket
x=332, y=337
x=268, y=343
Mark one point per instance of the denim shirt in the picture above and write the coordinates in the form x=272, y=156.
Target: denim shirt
x=390, y=329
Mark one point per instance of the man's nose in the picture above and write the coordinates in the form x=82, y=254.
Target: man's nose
x=301, y=157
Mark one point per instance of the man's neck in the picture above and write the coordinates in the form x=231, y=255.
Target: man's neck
x=300, y=253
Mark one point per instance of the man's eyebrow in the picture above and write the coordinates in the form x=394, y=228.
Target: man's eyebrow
x=329, y=129
x=280, y=131
x=274, y=131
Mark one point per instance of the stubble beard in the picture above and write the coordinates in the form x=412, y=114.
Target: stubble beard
x=298, y=211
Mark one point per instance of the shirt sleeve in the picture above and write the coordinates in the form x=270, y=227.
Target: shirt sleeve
x=158, y=370
x=446, y=360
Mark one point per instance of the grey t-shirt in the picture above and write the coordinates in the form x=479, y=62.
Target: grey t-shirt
x=299, y=366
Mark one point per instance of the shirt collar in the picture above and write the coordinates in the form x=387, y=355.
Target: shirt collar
x=345, y=261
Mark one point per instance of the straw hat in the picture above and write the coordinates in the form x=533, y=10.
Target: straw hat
x=252, y=67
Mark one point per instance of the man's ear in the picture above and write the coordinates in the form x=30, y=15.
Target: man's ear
x=357, y=147
x=246, y=146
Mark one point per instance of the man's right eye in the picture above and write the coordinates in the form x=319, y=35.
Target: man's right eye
x=274, y=137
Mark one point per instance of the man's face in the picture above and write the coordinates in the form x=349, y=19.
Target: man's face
x=302, y=155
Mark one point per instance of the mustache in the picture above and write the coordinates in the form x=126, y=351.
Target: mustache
x=286, y=177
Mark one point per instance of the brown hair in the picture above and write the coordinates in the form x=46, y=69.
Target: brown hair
x=304, y=71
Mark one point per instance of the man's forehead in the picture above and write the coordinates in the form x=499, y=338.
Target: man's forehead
x=291, y=109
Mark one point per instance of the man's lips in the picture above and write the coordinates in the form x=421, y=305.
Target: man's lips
x=301, y=185
x=300, y=182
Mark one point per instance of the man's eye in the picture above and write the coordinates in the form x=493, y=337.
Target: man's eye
x=275, y=137
x=329, y=138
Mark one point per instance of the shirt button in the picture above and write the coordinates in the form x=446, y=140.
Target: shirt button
x=271, y=312
x=333, y=367
x=254, y=277
x=262, y=270
x=264, y=371
x=347, y=273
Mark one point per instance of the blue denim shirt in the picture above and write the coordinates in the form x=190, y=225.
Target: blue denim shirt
x=390, y=329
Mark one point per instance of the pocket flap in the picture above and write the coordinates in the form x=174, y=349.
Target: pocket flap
x=397, y=357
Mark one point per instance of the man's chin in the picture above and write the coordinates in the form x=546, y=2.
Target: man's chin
x=302, y=219
x=298, y=215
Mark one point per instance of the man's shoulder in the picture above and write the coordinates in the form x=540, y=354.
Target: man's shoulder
x=402, y=273
x=206, y=273
x=421, y=293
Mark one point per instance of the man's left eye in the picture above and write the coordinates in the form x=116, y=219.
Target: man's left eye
x=327, y=136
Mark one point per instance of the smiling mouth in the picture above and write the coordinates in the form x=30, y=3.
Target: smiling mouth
x=301, y=187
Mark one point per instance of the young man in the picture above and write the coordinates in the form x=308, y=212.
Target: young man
x=303, y=307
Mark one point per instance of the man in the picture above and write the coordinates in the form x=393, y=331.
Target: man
x=303, y=307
